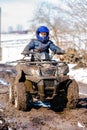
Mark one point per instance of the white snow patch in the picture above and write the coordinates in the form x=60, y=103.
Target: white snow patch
x=80, y=125
x=78, y=74
x=3, y=82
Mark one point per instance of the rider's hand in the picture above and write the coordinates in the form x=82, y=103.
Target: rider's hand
x=63, y=51
x=60, y=52
x=25, y=54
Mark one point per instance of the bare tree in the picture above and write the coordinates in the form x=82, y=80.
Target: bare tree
x=71, y=20
x=79, y=15
x=48, y=15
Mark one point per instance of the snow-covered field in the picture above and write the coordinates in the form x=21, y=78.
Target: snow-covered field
x=79, y=74
x=12, y=46
x=6, y=37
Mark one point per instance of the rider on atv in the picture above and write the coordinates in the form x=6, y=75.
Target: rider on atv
x=42, y=44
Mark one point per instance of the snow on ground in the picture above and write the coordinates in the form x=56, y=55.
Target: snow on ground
x=8, y=37
x=79, y=74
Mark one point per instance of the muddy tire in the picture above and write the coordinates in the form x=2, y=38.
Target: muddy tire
x=72, y=94
x=58, y=103
x=11, y=94
x=22, y=98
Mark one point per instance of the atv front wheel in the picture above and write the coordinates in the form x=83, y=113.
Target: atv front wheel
x=72, y=94
x=58, y=103
x=22, y=98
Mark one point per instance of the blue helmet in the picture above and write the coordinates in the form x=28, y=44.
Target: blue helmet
x=40, y=30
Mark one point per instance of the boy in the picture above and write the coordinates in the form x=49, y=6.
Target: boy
x=42, y=44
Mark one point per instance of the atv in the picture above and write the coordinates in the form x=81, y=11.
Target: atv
x=43, y=80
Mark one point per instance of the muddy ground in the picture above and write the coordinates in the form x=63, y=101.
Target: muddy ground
x=39, y=118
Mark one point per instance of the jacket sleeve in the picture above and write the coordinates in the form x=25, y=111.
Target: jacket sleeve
x=28, y=48
x=56, y=49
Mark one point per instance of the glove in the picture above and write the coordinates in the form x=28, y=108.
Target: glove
x=59, y=52
x=25, y=52
x=62, y=51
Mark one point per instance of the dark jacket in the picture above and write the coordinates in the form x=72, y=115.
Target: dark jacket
x=42, y=47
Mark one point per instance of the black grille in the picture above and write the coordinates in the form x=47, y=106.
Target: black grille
x=48, y=87
x=49, y=83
